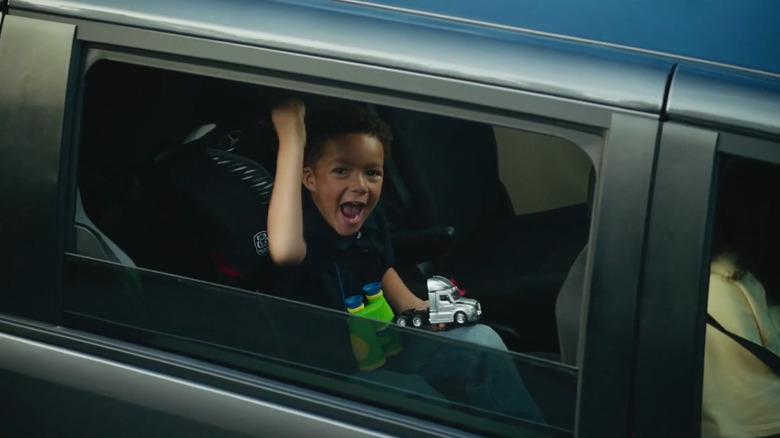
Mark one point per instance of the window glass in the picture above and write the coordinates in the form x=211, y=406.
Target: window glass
x=171, y=250
x=740, y=391
x=541, y=172
x=298, y=343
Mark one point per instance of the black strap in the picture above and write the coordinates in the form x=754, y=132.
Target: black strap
x=770, y=359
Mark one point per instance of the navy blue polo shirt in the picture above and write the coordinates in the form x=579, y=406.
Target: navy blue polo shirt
x=337, y=266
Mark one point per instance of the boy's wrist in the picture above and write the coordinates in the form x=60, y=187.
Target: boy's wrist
x=291, y=143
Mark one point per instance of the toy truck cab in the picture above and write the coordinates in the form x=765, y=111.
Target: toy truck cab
x=446, y=305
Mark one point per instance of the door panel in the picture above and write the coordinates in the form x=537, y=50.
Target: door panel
x=68, y=389
x=35, y=62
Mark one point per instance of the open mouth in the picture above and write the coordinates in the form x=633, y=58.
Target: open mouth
x=353, y=212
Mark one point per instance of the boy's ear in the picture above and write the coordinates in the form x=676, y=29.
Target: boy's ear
x=308, y=179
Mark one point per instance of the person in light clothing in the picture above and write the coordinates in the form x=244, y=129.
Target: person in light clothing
x=741, y=395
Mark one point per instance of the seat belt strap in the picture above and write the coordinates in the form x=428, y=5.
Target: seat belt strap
x=767, y=357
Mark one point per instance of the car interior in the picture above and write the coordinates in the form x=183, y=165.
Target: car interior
x=175, y=172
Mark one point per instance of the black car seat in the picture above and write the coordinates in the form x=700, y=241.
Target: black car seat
x=514, y=264
x=200, y=211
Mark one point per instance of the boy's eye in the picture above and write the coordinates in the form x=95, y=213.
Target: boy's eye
x=374, y=172
x=340, y=171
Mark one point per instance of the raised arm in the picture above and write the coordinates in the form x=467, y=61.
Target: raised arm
x=285, y=215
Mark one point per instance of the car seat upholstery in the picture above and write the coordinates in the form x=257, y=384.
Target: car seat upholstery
x=452, y=168
x=515, y=265
x=200, y=212
x=433, y=199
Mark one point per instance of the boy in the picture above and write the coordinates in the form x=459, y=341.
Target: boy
x=343, y=172
x=338, y=243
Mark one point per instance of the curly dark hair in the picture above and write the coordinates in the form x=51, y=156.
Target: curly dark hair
x=746, y=219
x=347, y=118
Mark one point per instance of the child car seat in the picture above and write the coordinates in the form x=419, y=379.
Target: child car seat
x=200, y=212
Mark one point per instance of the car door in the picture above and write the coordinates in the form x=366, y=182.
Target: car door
x=221, y=342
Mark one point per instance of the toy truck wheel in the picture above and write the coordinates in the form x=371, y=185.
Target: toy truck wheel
x=460, y=318
x=417, y=321
x=401, y=320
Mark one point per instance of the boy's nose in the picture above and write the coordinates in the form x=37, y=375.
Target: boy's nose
x=359, y=183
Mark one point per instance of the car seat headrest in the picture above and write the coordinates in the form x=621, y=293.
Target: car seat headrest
x=251, y=136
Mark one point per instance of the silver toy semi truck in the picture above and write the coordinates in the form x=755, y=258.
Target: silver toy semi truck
x=446, y=305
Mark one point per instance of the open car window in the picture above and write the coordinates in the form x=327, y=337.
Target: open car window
x=170, y=247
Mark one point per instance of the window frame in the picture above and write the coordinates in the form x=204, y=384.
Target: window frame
x=591, y=138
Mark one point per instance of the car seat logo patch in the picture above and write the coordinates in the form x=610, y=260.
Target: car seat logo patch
x=261, y=243
x=229, y=141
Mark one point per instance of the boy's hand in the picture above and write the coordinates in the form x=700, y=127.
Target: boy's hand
x=288, y=119
x=424, y=305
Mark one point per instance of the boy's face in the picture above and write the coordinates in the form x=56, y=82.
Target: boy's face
x=345, y=183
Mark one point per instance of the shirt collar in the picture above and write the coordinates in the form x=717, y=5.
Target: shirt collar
x=315, y=224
